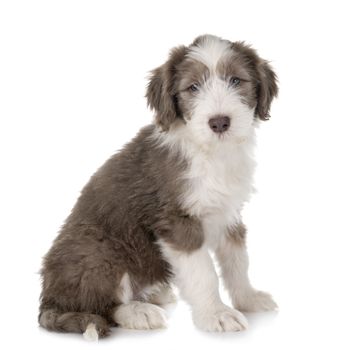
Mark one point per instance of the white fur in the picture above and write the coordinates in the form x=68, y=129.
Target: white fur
x=124, y=290
x=90, y=333
x=140, y=315
x=233, y=260
x=158, y=293
x=255, y=301
x=217, y=97
x=218, y=181
x=219, y=184
x=197, y=281
x=220, y=172
x=210, y=51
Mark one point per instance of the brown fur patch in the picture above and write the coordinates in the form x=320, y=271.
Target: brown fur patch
x=188, y=72
x=125, y=208
x=73, y=322
x=263, y=78
x=182, y=231
x=161, y=92
x=168, y=93
x=133, y=200
x=233, y=66
x=238, y=234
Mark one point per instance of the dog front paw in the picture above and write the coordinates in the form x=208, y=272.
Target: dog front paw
x=221, y=319
x=255, y=301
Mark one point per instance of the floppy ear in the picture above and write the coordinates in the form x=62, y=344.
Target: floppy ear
x=161, y=90
x=267, y=89
x=264, y=76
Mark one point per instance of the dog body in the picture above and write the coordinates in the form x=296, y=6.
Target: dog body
x=149, y=215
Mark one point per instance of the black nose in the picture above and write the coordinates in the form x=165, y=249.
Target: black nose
x=219, y=124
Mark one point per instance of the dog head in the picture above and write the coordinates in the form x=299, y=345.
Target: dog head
x=214, y=88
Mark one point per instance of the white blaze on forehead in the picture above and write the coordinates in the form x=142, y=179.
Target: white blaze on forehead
x=210, y=50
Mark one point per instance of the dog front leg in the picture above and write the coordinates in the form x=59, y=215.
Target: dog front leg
x=233, y=259
x=197, y=281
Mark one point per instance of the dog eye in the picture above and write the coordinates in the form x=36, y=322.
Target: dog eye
x=194, y=87
x=234, y=81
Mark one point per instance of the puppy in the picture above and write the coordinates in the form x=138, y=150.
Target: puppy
x=148, y=217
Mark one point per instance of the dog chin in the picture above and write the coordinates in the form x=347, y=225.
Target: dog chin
x=232, y=138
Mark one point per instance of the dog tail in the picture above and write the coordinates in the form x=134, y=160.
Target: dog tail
x=92, y=326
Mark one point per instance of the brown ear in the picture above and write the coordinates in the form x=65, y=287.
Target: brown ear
x=267, y=89
x=264, y=76
x=161, y=91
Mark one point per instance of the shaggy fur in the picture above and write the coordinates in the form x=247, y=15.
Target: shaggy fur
x=113, y=258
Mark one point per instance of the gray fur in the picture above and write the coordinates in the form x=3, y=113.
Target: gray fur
x=238, y=234
x=161, y=91
x=73, y=322
x=127, y=205
x=130, y=203
x=263, y=76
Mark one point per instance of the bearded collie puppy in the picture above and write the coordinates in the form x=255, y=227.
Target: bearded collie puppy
x=149, y=216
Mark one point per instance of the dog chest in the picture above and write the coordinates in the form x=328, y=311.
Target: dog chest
x=218, y=186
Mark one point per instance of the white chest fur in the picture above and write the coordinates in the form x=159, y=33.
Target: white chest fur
x=219, y=182
x=218, y=179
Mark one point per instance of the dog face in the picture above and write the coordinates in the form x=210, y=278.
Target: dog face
x=214, y=87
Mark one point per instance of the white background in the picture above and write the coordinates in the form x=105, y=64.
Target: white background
x=72, y=81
